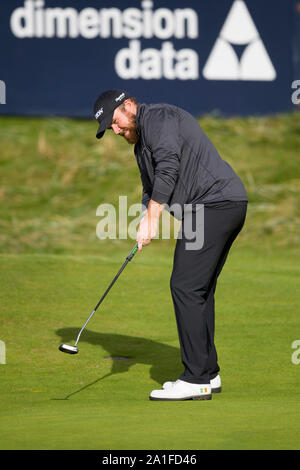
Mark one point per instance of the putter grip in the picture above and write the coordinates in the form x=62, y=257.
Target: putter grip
x=135, y=248
x=132, y=253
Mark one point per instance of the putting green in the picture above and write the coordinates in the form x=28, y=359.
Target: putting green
x=51, y=400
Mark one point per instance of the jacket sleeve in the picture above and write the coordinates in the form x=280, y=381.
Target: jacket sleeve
x=162, y=137
x=145, y=199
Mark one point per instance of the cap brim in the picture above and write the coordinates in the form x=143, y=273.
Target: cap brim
x=105, y=124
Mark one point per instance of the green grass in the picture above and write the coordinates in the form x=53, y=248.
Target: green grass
x=52, y=400
x=53, y=176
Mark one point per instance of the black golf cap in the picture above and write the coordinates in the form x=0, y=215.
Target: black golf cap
x=104, y=108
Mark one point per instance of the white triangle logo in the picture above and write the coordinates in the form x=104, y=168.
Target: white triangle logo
x=223, y=62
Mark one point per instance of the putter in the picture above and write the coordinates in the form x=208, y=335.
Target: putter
x=66, y=348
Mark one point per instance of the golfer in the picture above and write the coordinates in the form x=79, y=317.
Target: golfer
x=181, y=168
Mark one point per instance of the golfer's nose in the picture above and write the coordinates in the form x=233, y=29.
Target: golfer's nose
x=116, y=129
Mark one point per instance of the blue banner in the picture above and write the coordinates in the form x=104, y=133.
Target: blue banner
x=224, y=56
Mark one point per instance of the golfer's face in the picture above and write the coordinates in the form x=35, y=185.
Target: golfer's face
x=123, y=123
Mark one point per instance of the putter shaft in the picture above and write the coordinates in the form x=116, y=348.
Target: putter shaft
x=128, y=258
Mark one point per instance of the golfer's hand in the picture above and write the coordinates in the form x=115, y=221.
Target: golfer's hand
x=147, y=230
x=148, y=227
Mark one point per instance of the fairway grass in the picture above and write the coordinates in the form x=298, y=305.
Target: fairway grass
x=51, y=400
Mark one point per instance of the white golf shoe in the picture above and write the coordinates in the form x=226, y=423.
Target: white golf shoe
x=181, y=390
x=214, y=383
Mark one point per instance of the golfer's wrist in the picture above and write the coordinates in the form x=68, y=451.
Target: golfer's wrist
x=154, y=209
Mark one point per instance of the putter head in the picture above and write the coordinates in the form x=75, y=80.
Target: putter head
x=68, y=349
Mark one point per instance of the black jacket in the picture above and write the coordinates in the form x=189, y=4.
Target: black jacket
x=177, y=161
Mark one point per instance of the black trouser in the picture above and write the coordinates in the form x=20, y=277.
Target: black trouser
x=193, y=284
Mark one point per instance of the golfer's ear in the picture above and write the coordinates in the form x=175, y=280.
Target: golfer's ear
x=128, y=104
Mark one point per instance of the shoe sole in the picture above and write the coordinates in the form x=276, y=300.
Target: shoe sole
x=215, y=390
x=200, y=397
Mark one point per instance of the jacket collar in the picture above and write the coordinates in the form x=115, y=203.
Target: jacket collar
x=139, y=117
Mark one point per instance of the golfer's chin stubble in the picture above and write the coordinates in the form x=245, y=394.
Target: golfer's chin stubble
x=132, y=137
